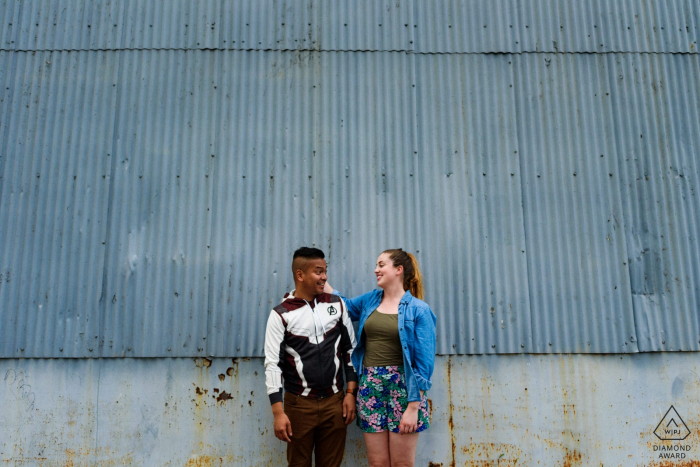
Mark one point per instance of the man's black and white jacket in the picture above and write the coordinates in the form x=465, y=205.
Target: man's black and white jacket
x=308, y=346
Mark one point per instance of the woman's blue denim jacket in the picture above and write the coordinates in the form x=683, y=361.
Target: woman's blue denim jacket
x=416, y=331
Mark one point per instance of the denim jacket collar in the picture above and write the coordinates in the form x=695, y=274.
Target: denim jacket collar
x=405, y=299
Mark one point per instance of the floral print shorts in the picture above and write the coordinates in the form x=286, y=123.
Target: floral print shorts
x=383, y=398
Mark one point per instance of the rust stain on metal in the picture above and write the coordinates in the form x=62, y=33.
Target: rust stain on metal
x=569, y=409
x=688, y=463
x=493, y=454
x=223, y=397
x=222, y=377
x=651, y=440
x=200, y=392
x=572, y=458
x=205, y=461
x=233, y=368
x=451, y=420
x=430, y=408
x=202, y=362
x=72, y=458
x=434, y=464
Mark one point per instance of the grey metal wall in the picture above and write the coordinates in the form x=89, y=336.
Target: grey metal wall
x=487, y=410
x=160, y=161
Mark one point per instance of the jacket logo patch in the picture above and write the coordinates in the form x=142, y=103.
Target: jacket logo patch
x=332, y=310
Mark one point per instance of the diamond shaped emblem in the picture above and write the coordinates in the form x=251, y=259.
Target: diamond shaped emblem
x=672, y=427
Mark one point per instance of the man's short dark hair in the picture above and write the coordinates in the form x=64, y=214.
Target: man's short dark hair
x=308, y=253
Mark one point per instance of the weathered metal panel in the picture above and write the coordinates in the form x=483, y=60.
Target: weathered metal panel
x=655, y=101
x=474, y=26
x=574, y=217
x=159, y=227
x=454, y=26
x=315, y=149
x=457, y=26
x=74, y=25
x=173, y=24
x=353, y=152
x=265, y=191
x=269, y=25
x=56, y=122
x=470, y=205
x=10, y=12
x=365, y=25
x=520, y=410
x=368, y=166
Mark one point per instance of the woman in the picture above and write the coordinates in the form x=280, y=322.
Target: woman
x=395, y=356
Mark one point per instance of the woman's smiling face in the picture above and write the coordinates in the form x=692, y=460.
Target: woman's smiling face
x=386, y=272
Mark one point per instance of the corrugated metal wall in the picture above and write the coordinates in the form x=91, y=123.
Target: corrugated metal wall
x=161, y=160
x=487, y=410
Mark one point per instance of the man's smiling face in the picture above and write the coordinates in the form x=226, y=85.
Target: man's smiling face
x=310, y=276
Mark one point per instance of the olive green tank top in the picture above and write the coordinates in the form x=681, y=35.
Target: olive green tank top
x=382, y=342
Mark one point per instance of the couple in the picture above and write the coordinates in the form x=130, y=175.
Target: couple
x=310, y=346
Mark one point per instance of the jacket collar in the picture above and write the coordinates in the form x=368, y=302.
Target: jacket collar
x=291, y=302
x=405, y=300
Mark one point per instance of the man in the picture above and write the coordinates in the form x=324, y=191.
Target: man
x=308, y=344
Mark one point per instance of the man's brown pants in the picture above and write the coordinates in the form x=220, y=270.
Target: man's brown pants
x=316, y=423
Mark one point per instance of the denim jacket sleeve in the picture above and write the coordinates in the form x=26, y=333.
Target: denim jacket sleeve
x=355, y=305
x=424, y=351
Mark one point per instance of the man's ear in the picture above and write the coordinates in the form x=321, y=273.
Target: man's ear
x=299, y=275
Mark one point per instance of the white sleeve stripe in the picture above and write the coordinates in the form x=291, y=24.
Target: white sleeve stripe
x=274, y=335
x=337, y=364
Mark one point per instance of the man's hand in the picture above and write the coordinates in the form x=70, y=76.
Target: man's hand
x=349, y=410
x=283, y=427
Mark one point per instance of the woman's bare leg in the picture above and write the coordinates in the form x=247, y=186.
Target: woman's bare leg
x=402, y=449
x=378, y=449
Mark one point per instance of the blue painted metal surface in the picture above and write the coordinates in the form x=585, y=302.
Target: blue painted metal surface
x=470, y=162
x=588, y=26
x=653, y=101
x=522, y=410
x=453, y=26
x=150, y=199
x=577, y=258
x=57, y=117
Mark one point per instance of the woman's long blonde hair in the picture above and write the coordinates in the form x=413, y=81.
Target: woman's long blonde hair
x=412, y=278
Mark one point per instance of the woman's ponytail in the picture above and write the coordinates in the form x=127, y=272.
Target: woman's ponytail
x=412, y=278
x=414, y=283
